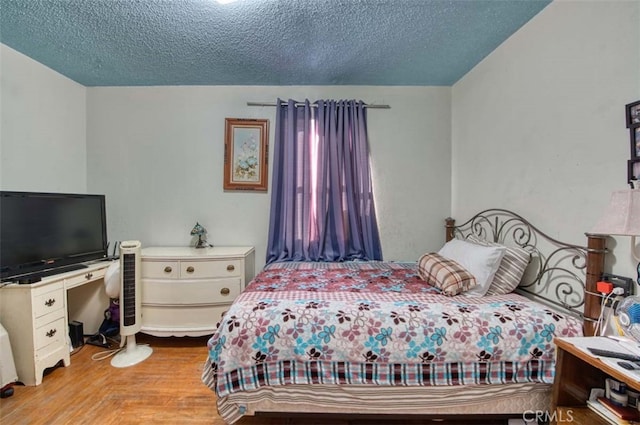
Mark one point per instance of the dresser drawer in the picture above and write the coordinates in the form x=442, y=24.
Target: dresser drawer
x=160, y=269
x=50, y=333
x=205, y=269
x=181, y=320
x=194, y=292
x=48, y=302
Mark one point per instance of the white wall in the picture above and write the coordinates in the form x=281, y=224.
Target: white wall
x=42, y=127
x=157, y=153
x=541, y=120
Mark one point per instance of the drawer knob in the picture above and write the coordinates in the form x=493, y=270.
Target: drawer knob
x=50, y=302
x=167, y=269
x=51, y=333
x=225, y=291
x=190, y=269
x=231, y=268
x=88, y=276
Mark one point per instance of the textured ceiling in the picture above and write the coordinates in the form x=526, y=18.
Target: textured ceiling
x=261, y=42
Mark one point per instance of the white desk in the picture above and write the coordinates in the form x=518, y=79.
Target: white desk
x=36, y=317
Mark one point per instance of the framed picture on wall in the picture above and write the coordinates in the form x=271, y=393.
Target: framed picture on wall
x=633, y=170
x=246, y=154
x=635, y=142
x=633, y=114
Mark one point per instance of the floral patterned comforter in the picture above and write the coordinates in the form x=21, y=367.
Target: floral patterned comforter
x=377, y=323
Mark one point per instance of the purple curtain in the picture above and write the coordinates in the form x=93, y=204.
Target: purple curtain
x=322, y=205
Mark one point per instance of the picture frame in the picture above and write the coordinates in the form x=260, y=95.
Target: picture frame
x=633, y=114
x=246, y=154
x=635, y=142
x=633, y=170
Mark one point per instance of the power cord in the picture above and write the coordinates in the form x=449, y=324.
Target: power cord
x=599, y=327
x=603, y=302
x=103, y=355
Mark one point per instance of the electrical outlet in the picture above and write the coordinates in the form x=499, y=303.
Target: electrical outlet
x=614, y=301
x=618, y=282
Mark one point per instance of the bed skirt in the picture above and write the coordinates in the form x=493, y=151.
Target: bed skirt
x=507, y=399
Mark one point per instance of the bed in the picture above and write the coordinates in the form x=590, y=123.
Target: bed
x=398, y=338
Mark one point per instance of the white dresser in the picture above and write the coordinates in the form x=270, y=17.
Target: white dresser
x=36, y=318
x=186, y=290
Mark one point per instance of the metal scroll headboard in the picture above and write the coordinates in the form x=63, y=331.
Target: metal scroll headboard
x=558, y=271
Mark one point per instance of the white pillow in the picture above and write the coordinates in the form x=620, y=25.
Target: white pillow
x=512, y=267
x=481, y=261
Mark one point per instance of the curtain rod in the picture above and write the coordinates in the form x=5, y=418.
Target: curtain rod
x=300, y=104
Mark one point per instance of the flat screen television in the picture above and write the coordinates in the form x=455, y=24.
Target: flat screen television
x=48, y=233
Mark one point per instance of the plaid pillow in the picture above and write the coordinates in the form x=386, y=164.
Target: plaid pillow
x=512, y=267
x=446, y=274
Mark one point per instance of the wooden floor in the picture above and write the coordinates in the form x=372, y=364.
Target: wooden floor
x=164, y=389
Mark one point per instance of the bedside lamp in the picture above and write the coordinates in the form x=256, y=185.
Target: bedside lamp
x=200, y=231
x=622, y=218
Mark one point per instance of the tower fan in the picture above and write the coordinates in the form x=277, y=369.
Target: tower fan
x=130, y=307
x=628, y=318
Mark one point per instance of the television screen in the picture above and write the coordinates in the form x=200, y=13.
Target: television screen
x=48, y=231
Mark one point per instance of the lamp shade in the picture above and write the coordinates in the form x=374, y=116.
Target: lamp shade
x=622, y=216
x=198, y=230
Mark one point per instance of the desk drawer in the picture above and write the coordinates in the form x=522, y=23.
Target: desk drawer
x=48, y=302
x=185, y=292
x=50, y=333
x=48, y=318
x=88, y=276
x=206, y=269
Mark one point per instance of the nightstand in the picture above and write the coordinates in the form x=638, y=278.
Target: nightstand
x=185, y=291
x=577, y=372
